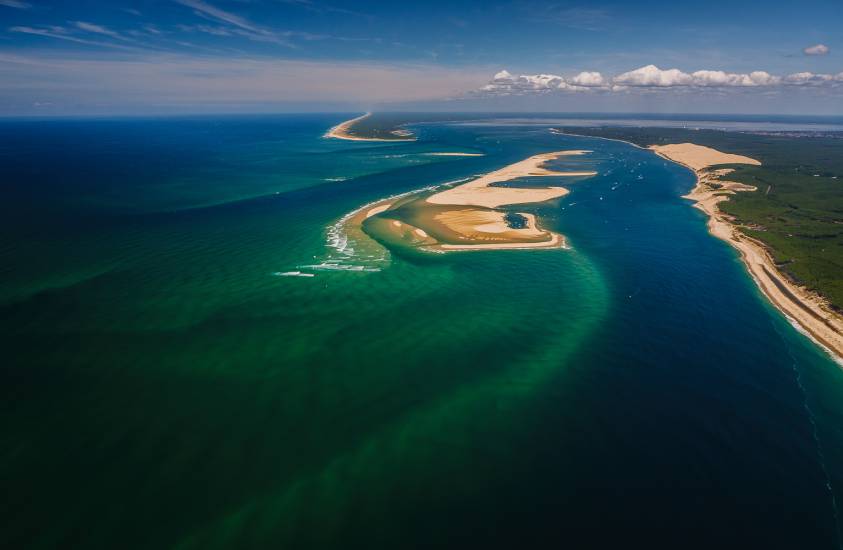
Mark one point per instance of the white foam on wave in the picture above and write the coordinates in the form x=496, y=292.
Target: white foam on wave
x=331, y=266
x=811, y=337
x=293, y=274
x=348, y=255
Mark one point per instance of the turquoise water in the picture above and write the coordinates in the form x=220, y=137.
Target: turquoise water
x=166, y=386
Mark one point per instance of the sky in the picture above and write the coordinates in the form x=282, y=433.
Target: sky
x=228, y=56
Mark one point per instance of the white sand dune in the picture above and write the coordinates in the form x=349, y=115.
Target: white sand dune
x=803, y=307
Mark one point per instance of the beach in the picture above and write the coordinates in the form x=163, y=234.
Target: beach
x=480, y=192
x=341, y=131
x=809, y=311
x=467, y=217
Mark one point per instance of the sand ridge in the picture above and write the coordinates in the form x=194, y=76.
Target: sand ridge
x=340, y=131
x=479, y=192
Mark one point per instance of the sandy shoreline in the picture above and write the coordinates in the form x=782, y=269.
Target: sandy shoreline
x=453, y=154
x=467, y=217
x=806, y=309
x=340, y=131
x=479, y=192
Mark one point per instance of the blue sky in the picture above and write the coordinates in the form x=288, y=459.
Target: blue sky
x=265, y=55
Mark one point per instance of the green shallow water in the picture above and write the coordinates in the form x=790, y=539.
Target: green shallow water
x=165, y=386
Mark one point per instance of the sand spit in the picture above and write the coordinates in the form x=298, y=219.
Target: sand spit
x=454, y=154
x=480, y=193
x=803, y=307
x=468, y=216
x=341, y=131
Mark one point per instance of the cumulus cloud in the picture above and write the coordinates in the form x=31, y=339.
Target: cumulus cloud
x=720, y=78
x=819, y=49
x=505, y=83
x=652, y=77
x=589, y=79
x=808, y=79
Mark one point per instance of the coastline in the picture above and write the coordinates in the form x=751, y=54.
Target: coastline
x=808, y=311
x=341, y=131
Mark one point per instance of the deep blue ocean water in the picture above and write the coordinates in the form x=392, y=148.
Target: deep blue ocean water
x=163, y=386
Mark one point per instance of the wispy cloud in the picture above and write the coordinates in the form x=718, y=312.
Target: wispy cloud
x=15, y=4
x=221, y=15
x=166, y=79
x=60, y=33
x=242, y=25
x=207, y=29
x=576, y=17
x=99, y=29
x=320, y=8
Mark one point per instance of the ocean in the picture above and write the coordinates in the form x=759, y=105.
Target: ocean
x=200, y=353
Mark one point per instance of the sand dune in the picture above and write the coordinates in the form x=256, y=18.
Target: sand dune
x=802, y=306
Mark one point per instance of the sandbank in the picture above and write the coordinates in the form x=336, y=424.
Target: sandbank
x=341, y=131
x=454, y=154
x=468, y=217
x=479, y=192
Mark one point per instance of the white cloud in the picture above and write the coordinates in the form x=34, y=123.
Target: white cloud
x=243, y=26
x=15, y=4
x=649, y=77
x=589, y=79
x=222, y=15
x=652, y=76
x=720, y=78
x=504, y=83
x=808, y=79
x=98, y=29
x=819, y=49
x=61, y=33
x=207, y=29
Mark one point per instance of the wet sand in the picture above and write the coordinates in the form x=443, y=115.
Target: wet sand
x=468, y=217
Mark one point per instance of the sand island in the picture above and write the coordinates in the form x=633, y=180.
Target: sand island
x=343, y=131
x=809, y=310
x=471, y=216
